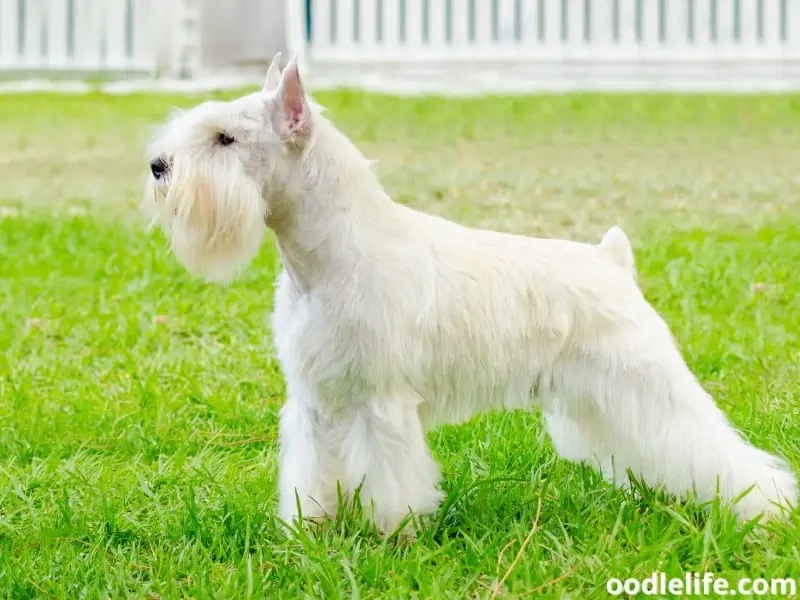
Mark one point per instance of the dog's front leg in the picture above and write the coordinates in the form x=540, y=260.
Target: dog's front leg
x=309, y=465
x=387, y=460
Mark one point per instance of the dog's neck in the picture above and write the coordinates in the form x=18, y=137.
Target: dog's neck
x=331, y=202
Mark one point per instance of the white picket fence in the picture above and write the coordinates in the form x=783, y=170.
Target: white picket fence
x=433, y=45
x=524, y=30
x=114, y=37
x=554, y=44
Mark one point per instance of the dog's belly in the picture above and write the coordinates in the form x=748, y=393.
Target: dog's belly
x=490, y=370
x=451, y=367
x=457, y=396
x=447, y=388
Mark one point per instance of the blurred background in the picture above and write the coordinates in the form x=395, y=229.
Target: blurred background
x=414, y=45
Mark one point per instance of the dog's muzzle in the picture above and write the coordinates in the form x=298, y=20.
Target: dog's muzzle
x=158, y=166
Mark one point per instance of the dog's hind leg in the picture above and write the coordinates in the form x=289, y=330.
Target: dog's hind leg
x=386, y=458
x=669, y=431
x=585, y=438
x=577, y=437
x=309, y=466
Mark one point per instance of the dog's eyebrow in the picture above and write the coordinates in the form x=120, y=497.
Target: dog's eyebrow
x=250, y=120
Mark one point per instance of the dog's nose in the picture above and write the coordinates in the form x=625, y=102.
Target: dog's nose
x=157, y=167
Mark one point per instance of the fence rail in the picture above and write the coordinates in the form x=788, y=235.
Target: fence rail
x=367, y=30
x=544, y=42
x=524, y=44
x=95, y=36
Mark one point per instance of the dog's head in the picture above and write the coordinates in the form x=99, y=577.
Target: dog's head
x=218, y=169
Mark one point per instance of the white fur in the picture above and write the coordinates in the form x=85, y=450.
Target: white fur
x=618, y=246
x=212, y=211
x=388, y=321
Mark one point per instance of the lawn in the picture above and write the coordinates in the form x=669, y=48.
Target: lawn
x=138, y=406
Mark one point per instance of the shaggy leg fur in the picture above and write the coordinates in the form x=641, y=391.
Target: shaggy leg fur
x=384, y=451
x=309, y=467
x=665, y=428
x=577, y=437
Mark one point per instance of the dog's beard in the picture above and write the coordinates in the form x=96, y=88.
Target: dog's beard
x=213, y=215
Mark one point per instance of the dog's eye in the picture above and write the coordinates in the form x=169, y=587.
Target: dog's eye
x=224, y=139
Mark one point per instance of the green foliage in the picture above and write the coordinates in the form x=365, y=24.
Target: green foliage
x=139, y=405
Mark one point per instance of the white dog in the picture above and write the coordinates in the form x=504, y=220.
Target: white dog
x=388, y=321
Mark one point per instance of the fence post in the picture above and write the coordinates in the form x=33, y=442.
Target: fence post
x=296, y=13
x=184, y=56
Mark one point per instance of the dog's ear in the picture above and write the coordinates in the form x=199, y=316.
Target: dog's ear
x=294, y=111
x=273, y=74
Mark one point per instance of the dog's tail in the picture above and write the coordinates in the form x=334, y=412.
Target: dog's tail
x=619, y=248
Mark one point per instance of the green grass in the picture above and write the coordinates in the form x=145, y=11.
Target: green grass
x=138, y=405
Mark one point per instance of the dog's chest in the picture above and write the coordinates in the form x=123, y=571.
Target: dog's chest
x=343, y=346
